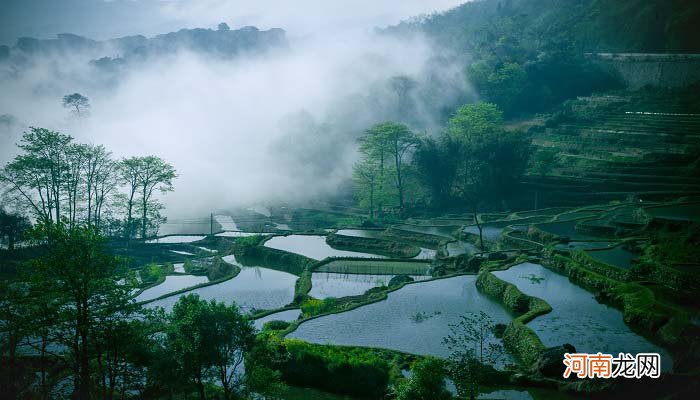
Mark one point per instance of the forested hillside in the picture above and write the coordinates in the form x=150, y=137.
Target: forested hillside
x=529, y=55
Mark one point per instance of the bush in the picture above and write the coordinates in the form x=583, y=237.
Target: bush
x=276, y=325
x=151, y=273
x=314, y=306
x=352, y=371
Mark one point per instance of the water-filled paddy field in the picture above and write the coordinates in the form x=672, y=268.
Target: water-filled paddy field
x=176, y=239
x=375, y=267
x=171, y=284
x=444, y=231
x=329, y=284
x=492, y=233
x=584, y=245
x=616, y=256
x=564, y=229
x=286, y=315
x=413, y=319
x=460, y=247
x=312, y=246
x=576, y=317
x=365, y=233
x=682, y=212
x=253, y=288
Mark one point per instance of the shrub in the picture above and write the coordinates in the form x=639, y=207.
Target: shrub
x=314, y=306
x=352, y=371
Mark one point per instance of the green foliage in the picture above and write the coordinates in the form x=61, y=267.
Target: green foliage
x=312, y=307
x=276, y=325
x=385, y=148
x=206, y=340
x=472, y=344
x=473, y=121
x=151, y=273
x=334, y=369
x=427, y=382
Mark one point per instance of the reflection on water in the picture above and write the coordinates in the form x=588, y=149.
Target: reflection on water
x=390, y=323
x=176, y=239
x=171, y=284
x=577, y=318
x=460, y=247
x=365, y=233
x=683, y=212
x=425, y=254
x=253, y=288
x=617, y=256
x=287, y=316
x=492, y=233
x=312, y=246
x=328, y=284
x=444, y=231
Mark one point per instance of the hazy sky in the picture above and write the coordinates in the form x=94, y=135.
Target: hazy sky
x=281, y=125
x=102, y=19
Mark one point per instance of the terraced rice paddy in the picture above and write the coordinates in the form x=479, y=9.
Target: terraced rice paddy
x=426, y=254
x=365, y=233
x=444, y=231
x=287, y=316
x=312, y=246
x=253, y=288
x=584, y=245
x=491, y=233
x=179, y=267
x=226, y=222
x=375, y=267
x=460, y=247
x=577, y=318
x=616, y=256
x=564, y=229
x=171, y=284
x=182, y=253
x=679, y=212
x=239, y=234
x=329, y=284
x=392, y=323
x=176, y=239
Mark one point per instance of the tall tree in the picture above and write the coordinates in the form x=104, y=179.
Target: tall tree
x=78, y=103
x=366, y=176
x=472, y=124
x=78, y=273
x=395, y=140
x=129, y=169
x=36, y=178
x=154, y=173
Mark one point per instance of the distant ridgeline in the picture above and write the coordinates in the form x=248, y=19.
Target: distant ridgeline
x=655, y=69
x=222, y=42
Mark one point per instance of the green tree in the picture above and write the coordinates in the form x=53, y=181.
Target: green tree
x=427, y=382
x=154, y=173
x=14, y=226
x=473, y=346
x=395, y=141
x=365, y=174
x=78, y=103
x=87, y=282
x=209, y=339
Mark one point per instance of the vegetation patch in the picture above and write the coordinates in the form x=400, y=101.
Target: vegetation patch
x=352, y=371
x=389, y=248
x=519, y=339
